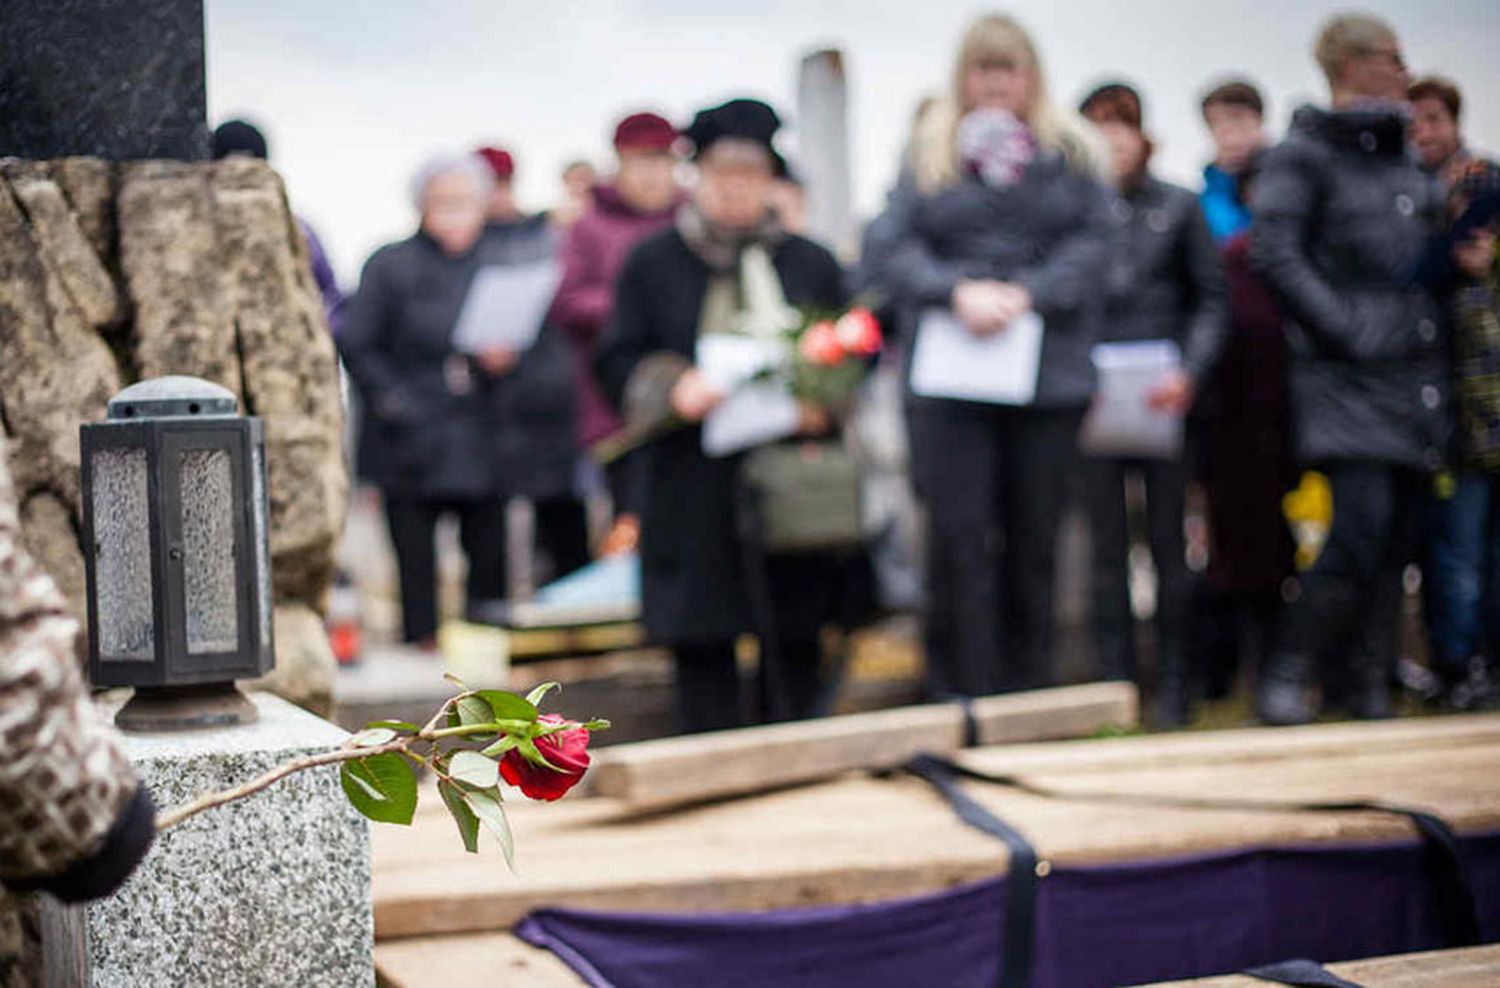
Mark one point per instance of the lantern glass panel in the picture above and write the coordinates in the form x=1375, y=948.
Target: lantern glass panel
x=122, y=567
x=258, y=534
x=210, y=601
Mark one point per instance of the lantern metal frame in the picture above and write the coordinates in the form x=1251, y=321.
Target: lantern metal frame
x=177, y=687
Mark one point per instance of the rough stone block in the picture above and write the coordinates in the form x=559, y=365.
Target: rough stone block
x=184, y=319
x=271, y=890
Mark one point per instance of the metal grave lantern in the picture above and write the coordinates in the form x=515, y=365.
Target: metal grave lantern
x=177, y=553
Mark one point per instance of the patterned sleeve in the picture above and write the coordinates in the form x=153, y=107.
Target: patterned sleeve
x=71, y=812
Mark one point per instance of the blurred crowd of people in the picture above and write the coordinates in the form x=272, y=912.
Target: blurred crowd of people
x=1332, y=297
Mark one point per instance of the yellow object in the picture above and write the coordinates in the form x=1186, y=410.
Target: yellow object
x=478, y=654
x=1309, y=512
x=1444, y=485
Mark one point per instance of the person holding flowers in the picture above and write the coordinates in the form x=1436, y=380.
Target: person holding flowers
x=724, y=266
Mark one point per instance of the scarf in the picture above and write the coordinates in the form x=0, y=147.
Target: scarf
x=719, y=248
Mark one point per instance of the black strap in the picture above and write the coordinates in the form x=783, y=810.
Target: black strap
x=1018, y=942
x=1448, y=877
x=971, y=722
x=1300, y=974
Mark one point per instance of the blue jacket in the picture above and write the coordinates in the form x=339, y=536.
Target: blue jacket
x=1226, y=214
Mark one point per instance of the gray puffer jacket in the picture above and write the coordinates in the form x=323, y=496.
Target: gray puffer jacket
x=1342, y=213
x=1049, y=232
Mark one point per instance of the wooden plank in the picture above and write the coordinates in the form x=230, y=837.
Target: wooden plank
x=653, y=775
x=1471, y=967
x=438, y=962
x=442, y=962
x=863, y=839
x=1255, y=744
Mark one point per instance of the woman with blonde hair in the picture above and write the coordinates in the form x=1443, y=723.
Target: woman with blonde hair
x=1000, y=211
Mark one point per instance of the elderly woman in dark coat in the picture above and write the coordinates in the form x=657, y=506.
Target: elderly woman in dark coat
x=1000, y=211
x=447, y=431
x=675, y=286
x=1342, y=215
x=1164, y=282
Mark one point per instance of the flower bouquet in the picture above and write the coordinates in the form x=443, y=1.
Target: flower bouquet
x=831, y=355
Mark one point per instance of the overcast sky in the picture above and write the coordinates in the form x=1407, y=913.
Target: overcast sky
x=354, y=94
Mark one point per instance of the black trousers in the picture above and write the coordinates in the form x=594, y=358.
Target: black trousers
x=709, y=697
x=1350, y=605
x=1165, y=482
x=413, y=523
x=562, y=532
x=993, y=481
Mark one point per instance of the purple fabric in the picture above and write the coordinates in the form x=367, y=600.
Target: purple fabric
x=1107, y=925
x=322, y=272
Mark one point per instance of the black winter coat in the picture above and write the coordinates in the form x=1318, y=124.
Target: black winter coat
x=435, y=426
x=1049, y=232
x=1342, y=213
x=693, y=585
x=1165, y=280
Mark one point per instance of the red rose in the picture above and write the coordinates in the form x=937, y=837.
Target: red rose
x=568, y=750
x=820, y=345
x=859, y=332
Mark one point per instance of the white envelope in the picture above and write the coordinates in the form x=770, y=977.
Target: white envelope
x=948, y=361
x=1120, y=423
x=506, y=306
x=754, y=414
x=760, y=408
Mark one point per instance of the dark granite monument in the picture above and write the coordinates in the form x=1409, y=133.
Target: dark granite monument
x=114, y=79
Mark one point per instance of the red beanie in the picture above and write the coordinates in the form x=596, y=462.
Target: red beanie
x=644, y=132
x=500, y=162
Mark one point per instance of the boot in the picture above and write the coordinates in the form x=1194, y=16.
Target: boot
x=1310, y=630
x=1117, y=654
x=1373, y=658
x=1174, y=693
x=1281, y=697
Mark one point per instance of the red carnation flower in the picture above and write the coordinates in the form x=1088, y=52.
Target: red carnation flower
x=820, y=345
x=859, y=333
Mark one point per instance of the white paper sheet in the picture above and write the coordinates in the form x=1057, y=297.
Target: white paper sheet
x=506, y=305
x=754, y=414
x=759, y=409
x=729, y=360
x=1120, y=422
x=951, y=362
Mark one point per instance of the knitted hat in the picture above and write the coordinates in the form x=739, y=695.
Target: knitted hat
x=237, y=137
x=500, y=162
x=1113, y=102
x=645, y=132
x=744, y=119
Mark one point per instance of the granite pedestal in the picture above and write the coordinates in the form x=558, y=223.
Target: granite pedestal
x=271, y=890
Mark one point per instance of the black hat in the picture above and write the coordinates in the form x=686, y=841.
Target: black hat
x=745, y=119
x=237, y=137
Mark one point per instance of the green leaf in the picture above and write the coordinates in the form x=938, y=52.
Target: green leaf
x=473, y=769
x=508, y=706
x=471, y=710
x=347, y=779
x=382, y=787
x=533, y=754
x=468, y=823
x=597, y=724
x=491, y=812
x=395, y=725
x=455, y=681
x=373, y=737
x=501, y=747
x=536, y=695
